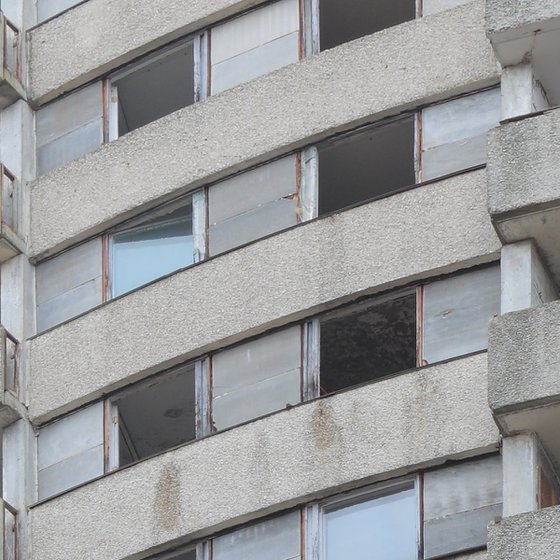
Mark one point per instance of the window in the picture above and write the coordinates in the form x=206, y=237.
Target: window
x=368, y=342
x=152, y=416
x=381, y=525
x=340, y=22
x=152, y=88
x=366, y=164
x=151, y=247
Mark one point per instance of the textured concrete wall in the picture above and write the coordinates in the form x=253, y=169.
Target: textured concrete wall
x=520, y=172
x=425, y=231
x=523, y=352
x=383, y=429
x=509, y=15
x=530, y=536
x=264, y=118
x=82, y=44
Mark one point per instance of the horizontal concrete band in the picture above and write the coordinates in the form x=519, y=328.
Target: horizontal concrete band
x=523, y=354
x=65, y=53
x=521, y=174
x=432, y=229
x=529, y=536
x=510, y=19
x=380, y=430
x=257, y=121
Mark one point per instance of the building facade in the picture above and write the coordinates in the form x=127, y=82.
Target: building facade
x=279, y=279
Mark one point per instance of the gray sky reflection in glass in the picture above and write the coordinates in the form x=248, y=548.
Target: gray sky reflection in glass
x=156, y=247
x=383, y=528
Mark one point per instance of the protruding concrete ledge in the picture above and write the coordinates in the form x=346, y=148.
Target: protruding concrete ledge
x=377, y=431
x=257, y=121
x=100, y=35
x=523, y=381
x=523, y=179
x=429, y=230
x=529, y=536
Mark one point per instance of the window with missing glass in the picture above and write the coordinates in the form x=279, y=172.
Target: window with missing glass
x=153, y=246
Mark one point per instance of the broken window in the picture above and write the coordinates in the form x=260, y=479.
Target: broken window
x=278, y=538
x=152, y=246
x=340, y=22
x=362, y=165
x=69, y=127
x=459, y=503
x=454, y=133
x=256, y=378
x=69, y=284
x=70, y=451
x=253, y=204
x=367, y=342
x=150, y=89
x=384, y=520
x=152, y=416
x=456, y=312
x=254, y=44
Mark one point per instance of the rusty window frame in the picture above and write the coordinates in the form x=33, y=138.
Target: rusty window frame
x=8, y=28
x=6, y=507
x=7, y=340
x=6, y=174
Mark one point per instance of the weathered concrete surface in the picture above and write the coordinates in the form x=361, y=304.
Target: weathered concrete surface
x=521, y=173
x=523, y=355
x=523, y=178
x=428, y=230
x=100, y=35
x=262, y=119
x=380, y=430
x=529, y=536
x=519, y=17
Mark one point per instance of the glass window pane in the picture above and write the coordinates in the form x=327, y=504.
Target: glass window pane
x=153, y=249
x=384, y=528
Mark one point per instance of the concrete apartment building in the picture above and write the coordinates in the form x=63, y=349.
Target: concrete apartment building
x=279, y=279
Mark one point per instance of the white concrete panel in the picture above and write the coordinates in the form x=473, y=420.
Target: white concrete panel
x=254, y=29
x=430, y=7
x=275, y=539
x=457, y=311
x=256, y=62
x=462, y=118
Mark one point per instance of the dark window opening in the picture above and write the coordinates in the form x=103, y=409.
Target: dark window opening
x=155, y=88
x=368, y=343
x=366, y=164
x=343, y=21
x=157, y=416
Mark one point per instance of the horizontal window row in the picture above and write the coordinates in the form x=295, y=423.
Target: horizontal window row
x=349, y=169
x=356, y=344
x=204, y=64
x=431, y=515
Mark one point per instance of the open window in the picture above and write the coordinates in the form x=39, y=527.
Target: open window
x=367, y=342
x=152, y=246
x=340, y=22
x=152, y=416
x=369, y=163
x=152, y=88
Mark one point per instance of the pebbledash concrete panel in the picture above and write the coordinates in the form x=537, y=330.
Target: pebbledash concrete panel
x=262, y=119
x=529, y=536
x=523, y=196
x=377, y=431
x=65, y=53
x=426, y=231
x=523, y=384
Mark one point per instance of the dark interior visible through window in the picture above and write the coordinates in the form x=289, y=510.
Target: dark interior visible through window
x=366, y=164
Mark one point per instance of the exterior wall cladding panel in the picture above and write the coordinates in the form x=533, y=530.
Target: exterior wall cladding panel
x=279, y=279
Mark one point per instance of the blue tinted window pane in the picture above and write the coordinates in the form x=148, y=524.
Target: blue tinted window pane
x=384, y=528
x=151, y=250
